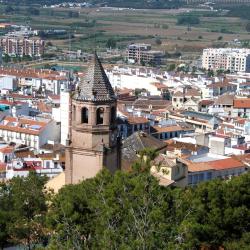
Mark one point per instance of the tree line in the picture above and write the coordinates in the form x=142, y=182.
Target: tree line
x=127, y=210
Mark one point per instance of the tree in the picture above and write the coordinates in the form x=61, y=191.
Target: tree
x=171, y=67
x=28, y=198
x=126, y=210
x=248, y=27
x=73, y=14
x=33, y=11
x=210, y=73
x=158, y=41
x=5, y=208
x=9, y=9
x=111, y=43
x=6, y=58
x=188, y=20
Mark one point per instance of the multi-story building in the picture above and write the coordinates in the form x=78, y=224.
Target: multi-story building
x=47, y=80
x=22, y=47
x=29, y=132
x=142, y=53
x=226, y=59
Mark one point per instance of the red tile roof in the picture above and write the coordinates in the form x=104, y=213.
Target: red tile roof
x=217, y=165
x=2, y=167
x=242, y=103
x=7, y=150
x=22, y=125
x=137, y=120
x=32, y=73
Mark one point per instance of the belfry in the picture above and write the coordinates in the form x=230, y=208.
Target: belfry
x=93, y=141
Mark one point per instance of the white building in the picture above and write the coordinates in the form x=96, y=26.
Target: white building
x=49, y=166
x=48, y=80
x=29, y=132
x=64, y=115
x=235, y=60
x=8, y=82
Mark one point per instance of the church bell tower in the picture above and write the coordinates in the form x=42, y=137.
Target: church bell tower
x=93, y=142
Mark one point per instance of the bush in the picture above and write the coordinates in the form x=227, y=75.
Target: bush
x=248, y=27
x=184, y=20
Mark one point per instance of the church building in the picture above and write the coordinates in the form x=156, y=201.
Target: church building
x=93, y=141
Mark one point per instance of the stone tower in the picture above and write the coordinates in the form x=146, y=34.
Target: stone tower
x=93, y=142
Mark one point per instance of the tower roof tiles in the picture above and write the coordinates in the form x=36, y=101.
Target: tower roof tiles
x=95, y=86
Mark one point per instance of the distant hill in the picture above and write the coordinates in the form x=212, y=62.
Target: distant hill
x=157, y=4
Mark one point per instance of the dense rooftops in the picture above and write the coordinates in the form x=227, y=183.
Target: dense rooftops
x=22, y=125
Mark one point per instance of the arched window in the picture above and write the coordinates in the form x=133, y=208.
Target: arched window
x=74, y=113
x=113, y=115
x=85, y=115
x=99, y=116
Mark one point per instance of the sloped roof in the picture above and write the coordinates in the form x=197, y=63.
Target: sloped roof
x=242, y=103
x=137, y=142
x=95, y=85
x=217, y=165
x=226, y=99
x=164, y=161
x=193, y=92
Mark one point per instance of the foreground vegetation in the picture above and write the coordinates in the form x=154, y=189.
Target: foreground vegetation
x=125, y=211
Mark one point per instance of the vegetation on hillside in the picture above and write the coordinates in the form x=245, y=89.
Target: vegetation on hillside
x=125, y=211
x=119, y=3
x=240, y=11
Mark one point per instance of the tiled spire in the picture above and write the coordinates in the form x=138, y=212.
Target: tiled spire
x=95, y=86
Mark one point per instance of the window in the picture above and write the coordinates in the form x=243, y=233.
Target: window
x=99, y=116
x=209, y=176
x=47, y=164
x=74, y=112
x=85, y=115
x=190, y=179
x=113, y=115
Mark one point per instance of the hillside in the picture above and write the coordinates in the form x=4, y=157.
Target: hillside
x=119, y=3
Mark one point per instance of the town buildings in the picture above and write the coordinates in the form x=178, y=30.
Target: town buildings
x=104, y=119
x=142, y=54
x=22, y=47
x=234, y=60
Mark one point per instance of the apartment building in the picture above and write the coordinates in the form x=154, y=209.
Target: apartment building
x=29, y=132
x=47, y=80
x=142, y=53
x=22, y=47
x=235, y=60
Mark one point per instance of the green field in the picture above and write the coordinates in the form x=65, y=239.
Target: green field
x=93, y=27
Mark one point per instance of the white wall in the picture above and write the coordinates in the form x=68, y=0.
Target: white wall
x=64, y=115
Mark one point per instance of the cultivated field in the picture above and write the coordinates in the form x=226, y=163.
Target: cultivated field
x=94, y=27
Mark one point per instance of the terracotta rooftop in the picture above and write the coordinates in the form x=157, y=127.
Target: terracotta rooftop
x=217, y=165
x=172, y=128
x=178, y=94
x=32, y=73
x=193, y=92
x=172, y=144
x=206, y=102
x=159, y=85
x=2, y=167
x=225, y=99
x=7, y=150
x=137, y=119
x=242, y=103
x=22, y=125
